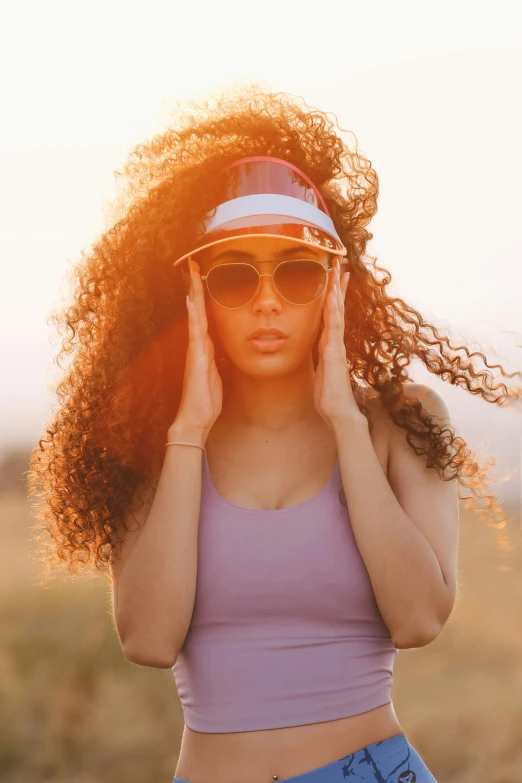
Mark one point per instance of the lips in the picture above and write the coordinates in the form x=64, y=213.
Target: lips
x=265, y=334
x=268, y=343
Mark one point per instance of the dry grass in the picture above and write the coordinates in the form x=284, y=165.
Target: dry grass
x=75, y=711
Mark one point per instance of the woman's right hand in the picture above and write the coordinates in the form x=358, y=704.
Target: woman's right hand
x=202, y=395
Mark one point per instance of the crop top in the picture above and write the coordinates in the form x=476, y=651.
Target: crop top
x=285, y=629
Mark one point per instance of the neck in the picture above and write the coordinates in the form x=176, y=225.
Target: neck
x=275, y=403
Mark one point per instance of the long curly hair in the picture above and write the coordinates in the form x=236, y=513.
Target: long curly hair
x=125, y=332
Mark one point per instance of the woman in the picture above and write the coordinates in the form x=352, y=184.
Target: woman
x=292, y=535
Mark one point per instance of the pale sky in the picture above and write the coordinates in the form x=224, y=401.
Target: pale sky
x=431, y=91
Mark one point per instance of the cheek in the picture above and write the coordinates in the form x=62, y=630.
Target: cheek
x=308, y=324
x=315, y=316
x=223, y=322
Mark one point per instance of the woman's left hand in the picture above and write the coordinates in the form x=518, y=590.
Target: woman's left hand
x=333, y=394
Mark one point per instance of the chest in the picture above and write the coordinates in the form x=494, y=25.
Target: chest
x=268, y=474
x=293, y=565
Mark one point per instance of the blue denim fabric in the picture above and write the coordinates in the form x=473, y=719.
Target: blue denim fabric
x=393, y=760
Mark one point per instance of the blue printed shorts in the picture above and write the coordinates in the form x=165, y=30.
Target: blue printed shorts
x=393, y=760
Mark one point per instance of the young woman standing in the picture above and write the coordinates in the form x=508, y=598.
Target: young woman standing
x=292, y=535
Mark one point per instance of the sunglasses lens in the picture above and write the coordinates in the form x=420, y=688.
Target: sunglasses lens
x=232, y=285
x=299, y=282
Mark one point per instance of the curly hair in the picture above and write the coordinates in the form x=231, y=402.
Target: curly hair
x=125, y=330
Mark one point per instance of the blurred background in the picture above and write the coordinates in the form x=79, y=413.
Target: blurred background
x=430, y=93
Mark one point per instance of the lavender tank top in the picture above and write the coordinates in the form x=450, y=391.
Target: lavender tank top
x=285, y=629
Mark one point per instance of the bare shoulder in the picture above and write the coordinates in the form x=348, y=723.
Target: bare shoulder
x=386, y=431
x=379, y=416
x=431, y=401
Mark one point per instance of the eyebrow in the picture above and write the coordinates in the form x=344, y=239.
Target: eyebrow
x=243, y=253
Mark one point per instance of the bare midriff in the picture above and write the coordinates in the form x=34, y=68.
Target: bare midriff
x=279, y=754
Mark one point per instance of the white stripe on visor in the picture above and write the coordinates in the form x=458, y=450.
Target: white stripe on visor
x=266, y=208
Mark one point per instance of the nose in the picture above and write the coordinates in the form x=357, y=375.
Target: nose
x=267, y=296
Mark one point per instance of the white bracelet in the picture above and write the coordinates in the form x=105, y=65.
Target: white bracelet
x=184, y=443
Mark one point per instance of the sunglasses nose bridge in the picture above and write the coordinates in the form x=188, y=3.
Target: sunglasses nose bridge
x=260, y=282
x=276, y=289
x=283, y=264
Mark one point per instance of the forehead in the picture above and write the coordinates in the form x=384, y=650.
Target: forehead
x=258, y=248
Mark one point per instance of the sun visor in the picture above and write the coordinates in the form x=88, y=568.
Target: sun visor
x=268, y=196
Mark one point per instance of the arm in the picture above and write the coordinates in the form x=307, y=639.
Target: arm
x=405, y=526
x=155, y=584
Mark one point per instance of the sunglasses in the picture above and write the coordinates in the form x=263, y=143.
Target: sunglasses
x=298, y=281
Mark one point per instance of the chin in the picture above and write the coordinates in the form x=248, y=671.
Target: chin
x=264, y=365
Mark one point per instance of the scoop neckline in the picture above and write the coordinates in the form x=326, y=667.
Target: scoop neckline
x=244, y=509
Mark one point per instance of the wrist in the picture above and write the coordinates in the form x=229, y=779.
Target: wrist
x=352, y=420
x=185, y=431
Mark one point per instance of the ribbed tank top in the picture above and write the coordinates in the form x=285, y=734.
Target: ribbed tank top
x=285, y=629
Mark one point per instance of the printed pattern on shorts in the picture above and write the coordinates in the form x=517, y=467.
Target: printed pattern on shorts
x=393, y=760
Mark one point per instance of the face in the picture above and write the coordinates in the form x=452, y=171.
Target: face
x=300, y=322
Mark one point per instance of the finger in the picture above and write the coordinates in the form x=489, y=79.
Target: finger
x=195, y=336
x=199, y=295
x=332, y=320
x=199, y=329
x=335, y=276
x=331, y=326
x=196, y=284
x=193, y=320
x=337, y=287
x=346, y=278
x=334, y=308
x=207, y=346
x=341, y=288
x=337, y=324
x=341, y=285
x=324, y=329
x=329, y=308
x=329, y=289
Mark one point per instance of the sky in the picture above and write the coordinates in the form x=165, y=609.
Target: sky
x=428, y=90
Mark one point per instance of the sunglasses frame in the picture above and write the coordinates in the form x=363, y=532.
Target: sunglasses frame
x=271, y=274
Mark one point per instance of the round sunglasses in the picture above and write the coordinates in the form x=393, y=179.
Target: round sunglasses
x=298, y=281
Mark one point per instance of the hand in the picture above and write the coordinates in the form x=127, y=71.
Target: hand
x=333, y=394
x=202, y=395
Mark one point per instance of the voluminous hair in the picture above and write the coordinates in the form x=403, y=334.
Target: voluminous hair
x=125, y=335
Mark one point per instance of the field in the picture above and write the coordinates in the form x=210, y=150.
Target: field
x=75, y=711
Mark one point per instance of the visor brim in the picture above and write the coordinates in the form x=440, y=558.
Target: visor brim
x=309, y=236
